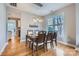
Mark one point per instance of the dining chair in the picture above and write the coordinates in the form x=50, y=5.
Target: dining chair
x=40, y=40
x=29, y=33
x=55, y=38
x=36, y=32
x=49, y=39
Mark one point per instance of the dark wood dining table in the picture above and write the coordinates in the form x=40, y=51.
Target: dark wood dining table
x=31, y=37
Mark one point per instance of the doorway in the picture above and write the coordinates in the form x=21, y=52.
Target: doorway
x=14, y=27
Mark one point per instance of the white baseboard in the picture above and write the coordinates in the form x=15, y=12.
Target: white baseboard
x=67, y=44
x=77, y=49
x=3, y=48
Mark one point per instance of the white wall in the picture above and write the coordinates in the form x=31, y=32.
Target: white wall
x=77, y=25
x=26, y=19
x=3, y=32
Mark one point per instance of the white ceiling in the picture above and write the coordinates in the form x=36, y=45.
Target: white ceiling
x=46, y=9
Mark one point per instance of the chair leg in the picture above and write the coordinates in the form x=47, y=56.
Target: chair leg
x=29, y=43
x=32, y=49
x=43, y=45
x=51, y=43
x=46, y=45
x=37, y=49
x=56, y=42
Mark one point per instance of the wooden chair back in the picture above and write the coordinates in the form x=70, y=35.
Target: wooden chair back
x=41, y=36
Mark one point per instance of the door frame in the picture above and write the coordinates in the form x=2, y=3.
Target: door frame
x=14, y=18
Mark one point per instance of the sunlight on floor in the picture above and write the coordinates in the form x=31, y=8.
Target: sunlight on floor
x=58, y=51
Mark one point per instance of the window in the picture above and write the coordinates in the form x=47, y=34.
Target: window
x=55, y=23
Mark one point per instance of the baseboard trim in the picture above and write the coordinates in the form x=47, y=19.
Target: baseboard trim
x=3, y=48
x=77, y=49
x=67, y=44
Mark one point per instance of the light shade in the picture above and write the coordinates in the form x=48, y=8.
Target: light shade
x=34, y=20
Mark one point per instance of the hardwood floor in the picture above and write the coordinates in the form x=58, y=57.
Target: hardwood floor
x=21, y=49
